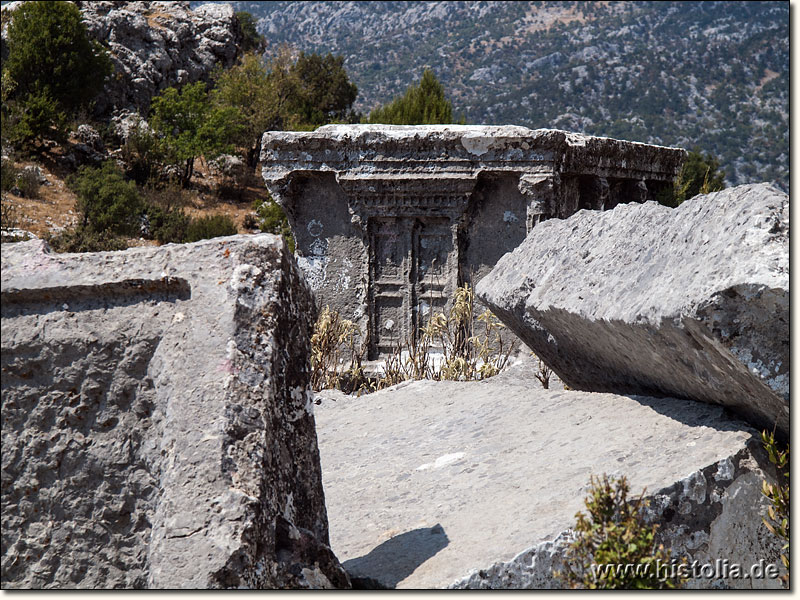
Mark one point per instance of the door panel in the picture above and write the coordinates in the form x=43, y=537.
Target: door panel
x=410, y=277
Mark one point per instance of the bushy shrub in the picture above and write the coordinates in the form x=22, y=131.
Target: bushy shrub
x=212, y=226
x=142, y=154
x=28, y=183
x=84, y=238
x=272, y=219
x=106, y=200
x=614, y=533
x=8, y=174
x=777, y=520
x=422, y=104
x=167, y=225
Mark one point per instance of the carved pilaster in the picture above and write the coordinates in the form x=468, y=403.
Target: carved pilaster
x=540, y=190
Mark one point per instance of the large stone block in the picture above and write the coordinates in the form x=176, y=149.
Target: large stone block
x=437, y=484
x=157, y=425
x=690, y=302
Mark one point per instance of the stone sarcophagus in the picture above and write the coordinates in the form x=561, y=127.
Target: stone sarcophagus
x=389, y=219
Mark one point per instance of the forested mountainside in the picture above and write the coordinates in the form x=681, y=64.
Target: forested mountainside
x=708, y=74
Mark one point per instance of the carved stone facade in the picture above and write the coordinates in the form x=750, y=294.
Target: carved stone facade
x=389, y=220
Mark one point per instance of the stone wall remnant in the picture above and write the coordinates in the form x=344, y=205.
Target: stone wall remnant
x=389, y=220
x=157, y=422
x=690, y=302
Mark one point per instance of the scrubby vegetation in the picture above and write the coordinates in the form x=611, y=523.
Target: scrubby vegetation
x=613, y=532
x=49, y=80
x=448, y=347
x=777, y=520
x=700, y=174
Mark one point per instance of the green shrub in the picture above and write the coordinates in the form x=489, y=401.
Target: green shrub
x=700, y=174
x=85, y=239
x=106, y=201
x=777, y=520
x=614, y=533
x=272, y=219
x=142, y=154
x=36, y=116
x=8, y=174
x=167, y=225
x=28, y=183
x=210, y=227
x=251, y=39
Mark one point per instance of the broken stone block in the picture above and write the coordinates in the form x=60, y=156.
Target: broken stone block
x=436, y=484
x=690, y=302
x=389, y=219
x=157, y=422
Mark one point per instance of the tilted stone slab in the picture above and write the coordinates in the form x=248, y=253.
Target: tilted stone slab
x=433, y=484
x=390, y=219
x=157, y=425
x=690, y=302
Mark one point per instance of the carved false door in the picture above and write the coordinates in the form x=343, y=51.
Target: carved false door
x=433, y=276
x=410, y=277
x=390, y=245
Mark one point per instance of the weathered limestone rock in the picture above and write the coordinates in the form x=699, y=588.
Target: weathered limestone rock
x=157, y=426
x=430, y=484
x=690, y=302
x=158, y=44
x=389, y=220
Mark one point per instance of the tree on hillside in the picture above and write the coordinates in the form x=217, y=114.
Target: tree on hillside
x=189, y=125
x=252, y=41
x=700, y=174
x=325, y=93
x=422, y=104
x=247, y=88
x=55, y=68
x=284, y=94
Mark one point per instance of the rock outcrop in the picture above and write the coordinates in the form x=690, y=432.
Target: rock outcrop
x=154, y=45
x=158, y=430
x=158, y=44
x=690, y=302
x=437, y=484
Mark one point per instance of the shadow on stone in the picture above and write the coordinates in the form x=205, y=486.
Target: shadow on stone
x=686, y=411
x=395, y=559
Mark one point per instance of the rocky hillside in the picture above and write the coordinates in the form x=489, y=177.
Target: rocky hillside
x=707, y=74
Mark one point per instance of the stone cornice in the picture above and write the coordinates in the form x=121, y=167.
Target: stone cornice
x=435, y=151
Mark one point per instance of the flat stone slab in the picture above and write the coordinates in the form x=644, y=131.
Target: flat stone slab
x=690, y=302
x=427, y=481
x=157, y=430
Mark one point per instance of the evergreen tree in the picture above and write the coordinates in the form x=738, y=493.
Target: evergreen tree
x=423, y=104
x=700, y=174
x=54, y=66
x=252, y=41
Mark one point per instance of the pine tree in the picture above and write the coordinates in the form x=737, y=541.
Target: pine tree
x=422, y=104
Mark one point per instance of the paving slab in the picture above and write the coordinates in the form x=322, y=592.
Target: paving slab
x=428, y=481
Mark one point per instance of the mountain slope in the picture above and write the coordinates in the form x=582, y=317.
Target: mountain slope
x=707, y=74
